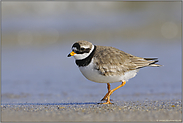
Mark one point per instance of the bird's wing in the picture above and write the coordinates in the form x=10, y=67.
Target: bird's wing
x=110, y=61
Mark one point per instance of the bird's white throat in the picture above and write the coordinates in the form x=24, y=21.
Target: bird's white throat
x=84, y=55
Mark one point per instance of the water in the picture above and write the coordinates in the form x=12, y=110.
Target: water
x=45, y=74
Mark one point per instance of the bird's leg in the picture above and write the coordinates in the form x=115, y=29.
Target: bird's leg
x=107, y=95
x=108, y=87
x=111, y=91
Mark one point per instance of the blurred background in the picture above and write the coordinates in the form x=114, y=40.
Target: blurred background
x=37, y=37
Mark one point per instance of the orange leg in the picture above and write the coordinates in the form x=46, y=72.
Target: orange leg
x=108, y=87
x=107, y=96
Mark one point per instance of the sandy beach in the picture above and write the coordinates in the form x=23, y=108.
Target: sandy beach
x=167, y=110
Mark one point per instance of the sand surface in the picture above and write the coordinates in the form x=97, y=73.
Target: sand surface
x=159, y=110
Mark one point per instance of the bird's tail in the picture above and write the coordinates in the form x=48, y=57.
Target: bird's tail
x=152, y=64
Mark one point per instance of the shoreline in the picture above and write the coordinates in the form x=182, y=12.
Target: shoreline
x=157, y=110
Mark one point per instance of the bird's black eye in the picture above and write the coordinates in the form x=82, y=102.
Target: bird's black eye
x=82, y=48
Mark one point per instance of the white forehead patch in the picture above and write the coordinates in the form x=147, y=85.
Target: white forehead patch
x=74, y=48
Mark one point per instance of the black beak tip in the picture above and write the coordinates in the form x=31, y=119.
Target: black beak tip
x=69, y=55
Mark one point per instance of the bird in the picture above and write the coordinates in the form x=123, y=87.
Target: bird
x=105, y=64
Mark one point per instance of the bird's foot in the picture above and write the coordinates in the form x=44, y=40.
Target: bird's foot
x=108, y=102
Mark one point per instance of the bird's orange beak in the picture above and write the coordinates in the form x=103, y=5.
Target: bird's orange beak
x=71, y=54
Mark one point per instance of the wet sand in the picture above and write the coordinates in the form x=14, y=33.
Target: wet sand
x=158, y=110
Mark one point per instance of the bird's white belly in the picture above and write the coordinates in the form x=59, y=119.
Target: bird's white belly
x=92, y=74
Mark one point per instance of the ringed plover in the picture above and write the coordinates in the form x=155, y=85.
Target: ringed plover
x=105, y=64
